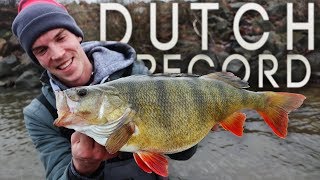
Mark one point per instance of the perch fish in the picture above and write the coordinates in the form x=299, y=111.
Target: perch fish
x=153, y=115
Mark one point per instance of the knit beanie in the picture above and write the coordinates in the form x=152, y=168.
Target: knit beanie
x=35, y=17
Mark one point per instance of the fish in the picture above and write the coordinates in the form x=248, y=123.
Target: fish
x=155, y=115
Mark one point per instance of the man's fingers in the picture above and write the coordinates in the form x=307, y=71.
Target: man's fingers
x=75, y=137
x=82, y=140
x=101, y=152
x=85, y=149
x=86, y=141
x=110, y=156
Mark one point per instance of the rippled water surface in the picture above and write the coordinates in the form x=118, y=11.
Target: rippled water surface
x=259, y=154
x=18, y=157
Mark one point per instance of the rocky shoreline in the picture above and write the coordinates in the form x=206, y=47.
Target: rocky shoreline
x=16, y=71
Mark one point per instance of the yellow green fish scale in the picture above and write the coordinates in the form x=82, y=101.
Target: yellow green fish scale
x=163, y=104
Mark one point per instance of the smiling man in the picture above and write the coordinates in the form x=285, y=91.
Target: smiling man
x=53, y=40
x=60, y=52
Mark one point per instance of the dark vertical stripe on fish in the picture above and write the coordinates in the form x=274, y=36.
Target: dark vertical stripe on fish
x=221, y=95
x=244, y=97
x=199, y=100
x=163, y=101
x=132, y=90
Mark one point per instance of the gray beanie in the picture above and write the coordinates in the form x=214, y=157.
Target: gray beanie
x=39, y=17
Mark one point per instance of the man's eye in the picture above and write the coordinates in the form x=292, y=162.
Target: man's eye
x=61, y=38
x=40, y=51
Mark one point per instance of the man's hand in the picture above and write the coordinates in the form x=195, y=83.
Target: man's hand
x=87, y=154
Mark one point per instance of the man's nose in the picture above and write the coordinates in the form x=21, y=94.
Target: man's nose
x=57, y=52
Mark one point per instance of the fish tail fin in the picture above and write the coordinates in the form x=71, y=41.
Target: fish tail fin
x=152, y=162
x=279, y=105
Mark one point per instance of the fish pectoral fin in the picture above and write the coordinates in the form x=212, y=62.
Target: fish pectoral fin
x=120, y=137
x=152, y=162
x=234, y=123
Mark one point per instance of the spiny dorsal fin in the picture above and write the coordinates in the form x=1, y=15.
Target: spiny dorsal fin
x=229, y=78
x=173, y=75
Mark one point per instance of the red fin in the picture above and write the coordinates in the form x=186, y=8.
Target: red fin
x=155, y=162
x=279, y=105
x=215, y=127
x=141, y=164
x=234, y=123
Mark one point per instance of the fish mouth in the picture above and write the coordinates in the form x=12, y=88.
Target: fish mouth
x=62, y=121
x=59, y=122
x=67, y=119
x=65, y=108
x=71, y=104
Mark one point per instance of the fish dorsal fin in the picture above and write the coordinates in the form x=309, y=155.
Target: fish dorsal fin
x=173, y=75
x=234, y=123
x=120, y=137
x=229, y=78
x=150, y=161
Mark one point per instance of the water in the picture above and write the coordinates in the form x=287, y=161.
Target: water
x=18, y=157
x=259, y=154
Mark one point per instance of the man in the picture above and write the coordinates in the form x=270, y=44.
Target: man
x=53, y=40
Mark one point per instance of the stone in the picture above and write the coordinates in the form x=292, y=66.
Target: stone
x=25, y=59
x=7, y=64
x=28, y=80
x=14, y=41
x=2, y=45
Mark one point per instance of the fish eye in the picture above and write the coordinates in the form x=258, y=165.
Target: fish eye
x=82, y=92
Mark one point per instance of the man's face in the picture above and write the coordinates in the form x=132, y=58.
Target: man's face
x=59, y=51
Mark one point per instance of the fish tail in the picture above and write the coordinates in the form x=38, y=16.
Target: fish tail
x=279, y=105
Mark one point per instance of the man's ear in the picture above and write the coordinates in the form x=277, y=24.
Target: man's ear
x=79, y=39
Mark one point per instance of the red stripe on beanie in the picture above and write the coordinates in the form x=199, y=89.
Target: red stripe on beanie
x=25, y=3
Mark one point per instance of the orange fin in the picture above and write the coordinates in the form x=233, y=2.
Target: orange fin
x=141, y=164
x=280, y=104
x=154, y=162
x=234, y=123
x=215, y=127
x=119, y=138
